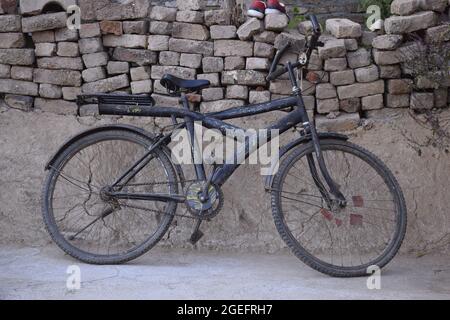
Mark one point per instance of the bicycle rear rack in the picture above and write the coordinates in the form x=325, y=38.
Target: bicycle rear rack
x=108, y=103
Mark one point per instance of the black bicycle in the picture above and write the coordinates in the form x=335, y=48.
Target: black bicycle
x=112, y=192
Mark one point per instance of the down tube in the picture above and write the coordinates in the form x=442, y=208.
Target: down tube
x=295, y=117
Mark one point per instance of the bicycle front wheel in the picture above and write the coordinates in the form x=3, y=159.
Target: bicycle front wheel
x=98, y=229
x=339, y=241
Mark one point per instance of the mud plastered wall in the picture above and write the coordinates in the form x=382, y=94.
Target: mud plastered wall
x=127, y=47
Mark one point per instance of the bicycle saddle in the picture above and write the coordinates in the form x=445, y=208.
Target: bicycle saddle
x=176, y=84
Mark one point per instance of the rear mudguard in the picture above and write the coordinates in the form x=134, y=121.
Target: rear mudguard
x=123, y=127
x=287, y=148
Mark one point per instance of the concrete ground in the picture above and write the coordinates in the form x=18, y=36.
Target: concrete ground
x=40, y=273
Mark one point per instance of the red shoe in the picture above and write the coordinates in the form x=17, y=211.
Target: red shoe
x=257, y=9
x=275, y=6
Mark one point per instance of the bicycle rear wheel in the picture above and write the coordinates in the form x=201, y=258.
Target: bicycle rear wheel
x=96, y=229
x=342, y=242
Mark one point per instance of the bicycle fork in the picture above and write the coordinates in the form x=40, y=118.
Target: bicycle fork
x=334, y=194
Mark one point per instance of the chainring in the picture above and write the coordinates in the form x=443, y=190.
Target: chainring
x=204, y=210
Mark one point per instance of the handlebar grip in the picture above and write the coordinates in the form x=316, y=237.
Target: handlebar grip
x=315, y=23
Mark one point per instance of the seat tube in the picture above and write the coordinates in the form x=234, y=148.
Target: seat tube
x=199, y=168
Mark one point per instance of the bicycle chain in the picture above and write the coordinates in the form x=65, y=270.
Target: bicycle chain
x=153, y=210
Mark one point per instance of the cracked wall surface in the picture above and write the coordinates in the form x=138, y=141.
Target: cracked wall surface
x=28, y=140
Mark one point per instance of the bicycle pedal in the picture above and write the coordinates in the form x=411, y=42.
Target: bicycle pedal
x=196, y=236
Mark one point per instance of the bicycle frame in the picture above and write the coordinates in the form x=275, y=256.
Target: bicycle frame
x=215, y=120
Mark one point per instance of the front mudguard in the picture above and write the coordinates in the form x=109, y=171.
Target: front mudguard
x=123, y=127
x=287, y=148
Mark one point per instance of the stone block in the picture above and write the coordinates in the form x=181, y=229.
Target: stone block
x=358, y=59
x=343, y=28
x=192, y=46
x=237, y=92
x=10, y=23
x=190, y=31
x=60, y=63
x=387, y=42
x=68, y=49
x=220, y=17
x=65, y=34
x=111, y=27
x=12, y=40
x=191, y=60
x=234, y=63
x=325, y=91
x=163, y=13
x=263, y=50
x=408, y=24
x=169, y=58
x=251, y=27
x=106, y=85
x=258, y=64
x=191, y=4
x=43, y=36
x=259, y=96
x=93, y=74
x=71, y=93
x=222, y=32
x=90, y=30
x=398, y=100
x=24, y=103
x=344, y=122
x=158, y=72
x=19, y=87
x=117, y=67
x=333, y=49
x=327, y=105
x=125, y=41
x=367, y=74
x=244, y=77
x=350, y=105
x=158, y=43
x=70, y=78
x=213, y=78
x=212, y=64
x=57, y=106
x=138, y=56
x=135, y=27
x=44, y=22
x=161, y=28
x=335, y=64
x=275, y=22
x=140, y=73
x=212, y=94
x=345, y=77
x=224, y=48
x=190, y=16
x=358, y=90
x=142, y=86
x=21, y=73
x=50, y=91
x=372, y=102
x=21, y=57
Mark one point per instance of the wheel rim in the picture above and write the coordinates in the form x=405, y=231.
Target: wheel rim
x=76, y=198
x=355, y=237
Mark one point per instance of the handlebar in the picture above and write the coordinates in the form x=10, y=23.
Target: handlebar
x=313, y=43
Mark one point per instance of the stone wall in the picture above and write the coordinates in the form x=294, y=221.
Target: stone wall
x=129, y=46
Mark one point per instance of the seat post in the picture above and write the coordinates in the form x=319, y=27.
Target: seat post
x=184, y=100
